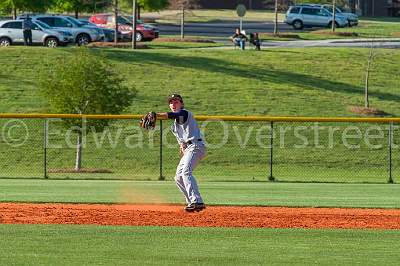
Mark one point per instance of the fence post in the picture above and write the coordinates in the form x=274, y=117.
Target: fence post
x=271, y=153
x=161, y=177
x=390, y=180
x=45, y=138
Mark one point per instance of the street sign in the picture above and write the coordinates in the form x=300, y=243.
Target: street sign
x=241, y=10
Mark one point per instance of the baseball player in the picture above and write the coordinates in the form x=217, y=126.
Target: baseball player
x=191, y=148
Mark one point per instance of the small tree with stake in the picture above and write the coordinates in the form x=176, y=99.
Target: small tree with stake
x=84, y=84
x=183, y=5
x=371, y=56
x=367, y=109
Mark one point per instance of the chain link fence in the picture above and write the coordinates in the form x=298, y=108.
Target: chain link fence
x=236, y=151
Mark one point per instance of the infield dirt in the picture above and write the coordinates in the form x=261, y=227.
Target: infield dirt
x=213, y=216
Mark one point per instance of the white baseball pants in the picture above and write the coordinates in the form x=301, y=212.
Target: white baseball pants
x=184, y=178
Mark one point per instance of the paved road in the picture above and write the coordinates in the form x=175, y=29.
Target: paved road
x=224, y=29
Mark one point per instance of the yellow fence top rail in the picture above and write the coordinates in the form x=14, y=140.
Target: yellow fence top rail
x=219, y=117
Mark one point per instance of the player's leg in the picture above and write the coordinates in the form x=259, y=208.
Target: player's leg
x=191, y=158
x=179, y=182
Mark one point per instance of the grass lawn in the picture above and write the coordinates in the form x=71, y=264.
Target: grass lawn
x=302, y=82
x=214, y=193
x=181, y=45
x=299, y=82
x=367, y=28
x=204, y=15
x=107, y=245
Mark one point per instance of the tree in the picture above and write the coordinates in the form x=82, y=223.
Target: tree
x=277, y=5
x=13, y=6
x=153, y=5
x=148, y=5
x=84, y=84
x=276, y=18
x=333, y=15
x=75, y=6
x=116, y=11
x=184, y=5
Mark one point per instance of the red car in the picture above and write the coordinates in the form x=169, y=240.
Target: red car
x=144, y=32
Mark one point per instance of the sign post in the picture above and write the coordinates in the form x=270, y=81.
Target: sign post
x=241, y=11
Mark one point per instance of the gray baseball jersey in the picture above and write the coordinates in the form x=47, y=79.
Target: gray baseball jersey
x=187, y=132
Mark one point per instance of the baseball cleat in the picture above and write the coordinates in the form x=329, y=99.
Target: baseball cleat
x=195, y=207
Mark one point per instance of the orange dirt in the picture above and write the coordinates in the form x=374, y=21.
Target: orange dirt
x=218, y=216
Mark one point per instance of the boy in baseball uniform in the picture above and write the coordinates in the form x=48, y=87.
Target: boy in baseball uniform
x=191, y=148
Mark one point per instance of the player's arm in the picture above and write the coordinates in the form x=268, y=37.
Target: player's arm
x=181, y=116
x=162, y=115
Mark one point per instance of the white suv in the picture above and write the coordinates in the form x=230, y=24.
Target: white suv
x=312, y=16
x=82, y=34
x=11, y=32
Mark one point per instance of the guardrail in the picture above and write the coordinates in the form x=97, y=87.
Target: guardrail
x=240, y=148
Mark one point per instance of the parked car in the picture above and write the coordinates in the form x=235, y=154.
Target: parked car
x=143, y=31
x=109, y=34
x=11, y=33
x=301, y=16
x=99, y=31
x=82, y=35
x=352, y=19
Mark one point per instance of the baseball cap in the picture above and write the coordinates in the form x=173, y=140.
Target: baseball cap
x=175, y=96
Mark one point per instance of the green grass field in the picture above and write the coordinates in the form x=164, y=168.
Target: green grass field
x=214, y=193
x=106, y=245
x=278, y=82
x=127, y=245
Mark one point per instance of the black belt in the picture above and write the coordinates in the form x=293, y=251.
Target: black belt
x=191, y=142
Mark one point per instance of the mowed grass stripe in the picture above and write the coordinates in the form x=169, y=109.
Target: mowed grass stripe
x=107, y=245
x=214, y=193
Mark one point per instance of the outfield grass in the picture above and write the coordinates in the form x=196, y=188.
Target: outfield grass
x=214, y=193
x=108, y=245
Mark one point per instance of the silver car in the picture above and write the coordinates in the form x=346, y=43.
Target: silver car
x=352, y=19
x=312, y=16
x=82, y=34
x=11, y=33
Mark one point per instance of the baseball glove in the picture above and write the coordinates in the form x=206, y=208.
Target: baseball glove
x=148, y=121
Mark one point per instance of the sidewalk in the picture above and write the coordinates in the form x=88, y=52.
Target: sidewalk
x=378, y=42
